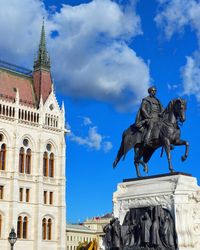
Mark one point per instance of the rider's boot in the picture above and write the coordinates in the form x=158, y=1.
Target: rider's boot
x=147, y=138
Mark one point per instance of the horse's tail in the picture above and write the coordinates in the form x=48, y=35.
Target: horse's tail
x=127, y=143
x=120, y=152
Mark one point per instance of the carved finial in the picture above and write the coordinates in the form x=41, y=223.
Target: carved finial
x=17, y=96
x=41, y=102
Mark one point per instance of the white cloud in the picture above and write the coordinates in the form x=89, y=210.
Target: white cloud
x=107, y=146
x=90, y=55
x=19, y=22
x=172, y=86
x=191, y=76
x=173, y=17
x=97, y=62
x=86, y=121
x=68, y=127
x=94, y=140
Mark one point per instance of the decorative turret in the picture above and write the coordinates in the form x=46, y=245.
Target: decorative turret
x=42, y=80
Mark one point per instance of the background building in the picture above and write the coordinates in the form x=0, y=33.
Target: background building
x=76, y=234
x=32, y=157
x=89, y=230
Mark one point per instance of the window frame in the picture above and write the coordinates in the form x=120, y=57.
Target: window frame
x=3, y=157
x=21, y=194
x=1, y=192
x=50, y=198
x=27, y=194
x=21, y=160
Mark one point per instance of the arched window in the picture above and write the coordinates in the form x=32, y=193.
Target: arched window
x=25, y=227
x=3, y=157
x=28, y=161
x=44, y=229
x=22, y=227
x=49, y=229
x=51, y=165
x=19, y=227
x=1, y=225
x=21, y=160
x=45, y=164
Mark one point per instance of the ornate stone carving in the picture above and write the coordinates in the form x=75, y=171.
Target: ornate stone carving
x=142, y=228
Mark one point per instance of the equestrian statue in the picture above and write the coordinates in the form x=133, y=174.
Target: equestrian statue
x=154, y=127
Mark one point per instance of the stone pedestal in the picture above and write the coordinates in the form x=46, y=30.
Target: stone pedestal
x=177, y=192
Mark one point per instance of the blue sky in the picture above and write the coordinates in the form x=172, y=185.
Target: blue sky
x=104, y=56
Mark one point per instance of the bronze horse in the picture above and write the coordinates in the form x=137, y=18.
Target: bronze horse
x=165, y=134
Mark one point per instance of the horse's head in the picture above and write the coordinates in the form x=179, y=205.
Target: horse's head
x=179, y=107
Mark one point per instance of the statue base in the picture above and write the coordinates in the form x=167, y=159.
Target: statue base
x=177, y=193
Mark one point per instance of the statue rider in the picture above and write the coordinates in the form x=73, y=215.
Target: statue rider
x=149, y=113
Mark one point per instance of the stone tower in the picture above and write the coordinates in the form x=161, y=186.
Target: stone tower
x=32, y=156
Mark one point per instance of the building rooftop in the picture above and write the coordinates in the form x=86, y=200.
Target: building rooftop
x=79, y=228
x=29, y=86
x=11, y=81
x=15, y=68
x=99, y=219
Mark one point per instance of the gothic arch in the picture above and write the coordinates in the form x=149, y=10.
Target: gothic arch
x=31, y=140
x=54, y=146
x=25, y=214
x=7, y=137
x=48, y=216
x=2, y=213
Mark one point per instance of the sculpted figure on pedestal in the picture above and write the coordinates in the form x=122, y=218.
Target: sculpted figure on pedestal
x=116, y=233
x=128, y=231
x=149, y=113
x=112, y=237
x=145, y=226
x=154, y=127
x=167, y=233
x=148, y=228
x=108, y=236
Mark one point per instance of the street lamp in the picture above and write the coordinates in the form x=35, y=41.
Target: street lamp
x=12, y=238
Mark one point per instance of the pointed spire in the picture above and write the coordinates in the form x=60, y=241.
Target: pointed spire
x=53, y=87
x=63, y=108
x=43, y=59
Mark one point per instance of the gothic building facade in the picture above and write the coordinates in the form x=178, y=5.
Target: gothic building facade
x=32, y=157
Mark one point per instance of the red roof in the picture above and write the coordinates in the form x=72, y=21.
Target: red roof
x=10, y=81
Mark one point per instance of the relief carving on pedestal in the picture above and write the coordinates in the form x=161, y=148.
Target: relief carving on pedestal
x=144, y=228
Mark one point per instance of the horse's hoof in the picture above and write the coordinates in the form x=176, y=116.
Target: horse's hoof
x=146, y=169
x=183, y=158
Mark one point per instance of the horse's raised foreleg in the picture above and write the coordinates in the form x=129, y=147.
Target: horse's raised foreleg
x=167, y=150
x=180, y=143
